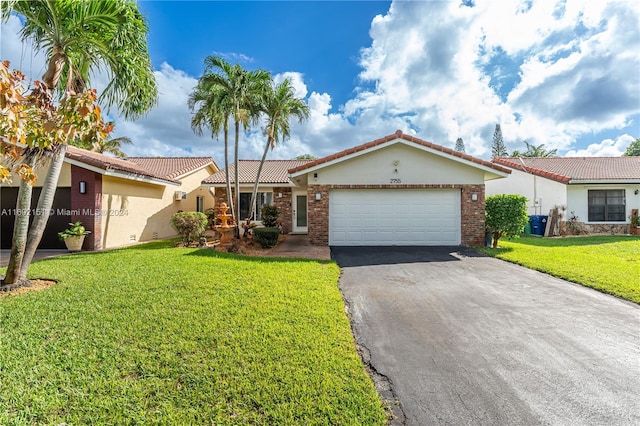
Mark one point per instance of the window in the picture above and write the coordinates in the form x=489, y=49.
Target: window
x=200, y=204
x=262, y=199
x=607, y=205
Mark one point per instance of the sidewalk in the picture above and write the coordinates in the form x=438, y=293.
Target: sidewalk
x=40, y=254
x=298, y=246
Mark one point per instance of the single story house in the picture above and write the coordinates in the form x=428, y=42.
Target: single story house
x=121, y=201
x=396, y=190
x=600, y=191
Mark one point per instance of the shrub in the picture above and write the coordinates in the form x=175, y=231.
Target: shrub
x=189, y=225
x=266, y=237
x=506, y=215
x=270, y=215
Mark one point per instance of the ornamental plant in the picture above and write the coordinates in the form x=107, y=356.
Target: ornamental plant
x=270, y=215
x=76, y=229
x=189, y=225
x=505, y=216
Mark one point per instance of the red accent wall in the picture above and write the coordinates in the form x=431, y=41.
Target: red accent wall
x=87, y=207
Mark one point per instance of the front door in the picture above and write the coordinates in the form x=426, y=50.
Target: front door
x=299, y=213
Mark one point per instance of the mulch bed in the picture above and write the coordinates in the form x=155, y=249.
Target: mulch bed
x=35, y=284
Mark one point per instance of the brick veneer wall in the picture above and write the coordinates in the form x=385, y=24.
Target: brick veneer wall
x=87, y=208
x=472, y=215
x=282, y=203
x=284, y=207
x=472, y=212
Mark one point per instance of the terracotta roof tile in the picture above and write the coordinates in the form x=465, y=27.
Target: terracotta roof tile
x=399, y=135
x=273, y=172
x=105, y=162
x=567, y=169
x=171, y=167
x=163, y=168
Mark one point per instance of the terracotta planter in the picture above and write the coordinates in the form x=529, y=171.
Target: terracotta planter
x=74, y=243
x=634, y=230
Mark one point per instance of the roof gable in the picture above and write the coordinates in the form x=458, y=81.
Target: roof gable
x=578, y=169
x=399, y=137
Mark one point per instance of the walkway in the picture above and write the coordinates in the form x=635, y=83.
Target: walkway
x=298, y=246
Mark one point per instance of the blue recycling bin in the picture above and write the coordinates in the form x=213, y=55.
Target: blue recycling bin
x=538, y=224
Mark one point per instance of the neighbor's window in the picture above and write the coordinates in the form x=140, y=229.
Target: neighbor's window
x=607, y=205
x=200, y=204
x=262, y=199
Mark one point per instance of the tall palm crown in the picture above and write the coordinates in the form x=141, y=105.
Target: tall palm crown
x=112, y=146
x=229, y=91
x=81, y=36
x=279, y=105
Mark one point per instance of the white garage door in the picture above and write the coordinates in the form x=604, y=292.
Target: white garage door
x=394, y=217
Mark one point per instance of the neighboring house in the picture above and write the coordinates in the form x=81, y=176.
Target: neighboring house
x=601, y=191
x=119, y=201
x=397, y=190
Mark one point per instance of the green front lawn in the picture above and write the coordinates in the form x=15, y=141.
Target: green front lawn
x=607, y=263
x=155, y=334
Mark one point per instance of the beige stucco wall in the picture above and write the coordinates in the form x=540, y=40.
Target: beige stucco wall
x=63, y=181
x=549, y=193
x=137, y=211
x=413, y=165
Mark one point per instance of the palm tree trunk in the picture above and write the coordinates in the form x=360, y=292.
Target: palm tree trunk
x=20, y=230
x=51, y=77
x=236, y=176
x=254, y=194
x=226, y=169
x=43, y=210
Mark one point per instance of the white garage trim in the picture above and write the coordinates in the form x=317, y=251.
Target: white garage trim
x=403, y=217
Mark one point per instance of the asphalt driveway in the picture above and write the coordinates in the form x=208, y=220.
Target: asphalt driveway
x=467, y=339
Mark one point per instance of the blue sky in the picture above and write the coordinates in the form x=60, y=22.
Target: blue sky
x=561, y=73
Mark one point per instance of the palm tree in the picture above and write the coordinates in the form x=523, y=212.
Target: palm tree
x=111, y=146
x=280, y=104
x=538, y=151
x=239, y=95
x=210, y=112
x=79, y=37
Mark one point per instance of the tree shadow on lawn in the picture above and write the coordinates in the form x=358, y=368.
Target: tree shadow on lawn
x=572, y=241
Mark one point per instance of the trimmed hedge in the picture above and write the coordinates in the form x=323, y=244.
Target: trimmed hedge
x=189, y=225
x=266, y=237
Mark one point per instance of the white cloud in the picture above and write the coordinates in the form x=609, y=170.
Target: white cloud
x=606, y=148
x=551, y=73
x=166, y=130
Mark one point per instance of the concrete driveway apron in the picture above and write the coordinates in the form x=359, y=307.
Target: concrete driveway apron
x=466, y=339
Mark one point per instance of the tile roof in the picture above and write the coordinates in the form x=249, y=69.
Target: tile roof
x=165, y=168
x=399, y=135
x=273, y=172
x=172, y=167
x=568, y=169
x=108, y=163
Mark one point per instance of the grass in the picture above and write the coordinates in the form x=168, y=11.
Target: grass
x=610, y=264
x=158, y=335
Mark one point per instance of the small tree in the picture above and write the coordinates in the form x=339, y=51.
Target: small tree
x=498, y=149
x=189, y=225
x=506, y=216
x=460, y=145
x=270, y=216
x=633, y=150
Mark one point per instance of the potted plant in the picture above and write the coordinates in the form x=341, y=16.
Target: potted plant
x=73, y=236
x=635, y=225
